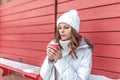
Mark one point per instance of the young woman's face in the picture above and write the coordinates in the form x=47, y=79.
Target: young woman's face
x=64, y=31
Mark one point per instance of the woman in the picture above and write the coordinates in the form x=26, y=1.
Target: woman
x=73, y=60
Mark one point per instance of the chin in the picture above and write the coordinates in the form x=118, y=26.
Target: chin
x=65, y=39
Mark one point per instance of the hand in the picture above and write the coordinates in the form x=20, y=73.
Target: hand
x=53, y=53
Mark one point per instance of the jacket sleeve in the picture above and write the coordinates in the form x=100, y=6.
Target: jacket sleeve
x=46, y=68
x=84, y=68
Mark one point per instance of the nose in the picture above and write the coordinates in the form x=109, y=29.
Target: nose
x=62, y=30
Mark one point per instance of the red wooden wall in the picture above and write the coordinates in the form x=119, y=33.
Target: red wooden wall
x=28, y=25
x=25, y=26
x=100, y=23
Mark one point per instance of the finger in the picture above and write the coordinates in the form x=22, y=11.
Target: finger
x=52, y=51
x=50, y=58
x=51, y=54
x=48, y=46
x=55, y=49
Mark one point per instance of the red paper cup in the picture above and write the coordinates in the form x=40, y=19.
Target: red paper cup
x=55, y=45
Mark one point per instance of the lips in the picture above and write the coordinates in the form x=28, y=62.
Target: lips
x=62, y=35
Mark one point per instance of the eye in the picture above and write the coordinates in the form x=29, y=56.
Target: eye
x=67, y=27
x=59, y=27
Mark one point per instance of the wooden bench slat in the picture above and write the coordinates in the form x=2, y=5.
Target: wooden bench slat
x=24, y=59
x=20, y=68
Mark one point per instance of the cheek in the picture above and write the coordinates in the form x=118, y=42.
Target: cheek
x=69, y=34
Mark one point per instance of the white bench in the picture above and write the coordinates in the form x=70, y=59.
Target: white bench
x=32, y=71
x=99, y=77
x=27, y=70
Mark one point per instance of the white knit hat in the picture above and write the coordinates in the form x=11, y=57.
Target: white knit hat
x=70, y=18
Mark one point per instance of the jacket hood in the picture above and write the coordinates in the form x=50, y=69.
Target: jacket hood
x=83, y=44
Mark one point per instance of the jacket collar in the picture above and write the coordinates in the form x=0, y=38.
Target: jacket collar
x=83, y=44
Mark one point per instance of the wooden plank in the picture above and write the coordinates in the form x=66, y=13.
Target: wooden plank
x=103, y=37
x=29, y=14
x=25, y=74
x=29, y=29
x=110, y=11
x=107, y=51
x=84, y=4
x=61, y=1
x=28, y=6
x=23, y=52
x=109, y=64
x=25, y=45
x=33, y=61
x=106, y=73
x=28, y=37
x=100, y=12
x=100, y=25
x=31, y=21
x=13, y=3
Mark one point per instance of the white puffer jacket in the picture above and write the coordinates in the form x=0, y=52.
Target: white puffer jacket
x=68, y=68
